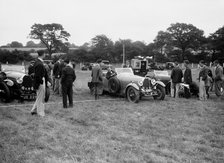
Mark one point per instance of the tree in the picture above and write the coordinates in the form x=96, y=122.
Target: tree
x=161, y=41
x=51, y=35
x=31, y=44
x=217, y=41
x=16, y=44
x=102, y=47
x=185, y=37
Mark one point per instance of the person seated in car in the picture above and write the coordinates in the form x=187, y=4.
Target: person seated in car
x=110, y=73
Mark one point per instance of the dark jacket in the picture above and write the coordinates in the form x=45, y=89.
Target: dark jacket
x=176, y=75
x=39, y=73
x=68, y=75
x=56, y=70
x=97, y=74
x=203, y=73
x=218, y=73
x=187, y=76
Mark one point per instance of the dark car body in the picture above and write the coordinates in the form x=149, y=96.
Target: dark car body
x=16, y=85
x=162, y=75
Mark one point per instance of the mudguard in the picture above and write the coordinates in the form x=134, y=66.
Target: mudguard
x=9, y=82
x=133, y=85
x=160, y=83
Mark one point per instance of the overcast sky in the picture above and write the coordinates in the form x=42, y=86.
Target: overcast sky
x=138, y=20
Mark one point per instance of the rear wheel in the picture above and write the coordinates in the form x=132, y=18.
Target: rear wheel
x=113, y=85
x=160, y=93
x=4, y=92
x=133, y=95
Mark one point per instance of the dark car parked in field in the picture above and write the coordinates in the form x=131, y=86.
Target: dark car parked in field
x=16, y=85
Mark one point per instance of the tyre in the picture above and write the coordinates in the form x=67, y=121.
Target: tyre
x=113, y=85
x=161, y=93
x=4, y=92
x=132, y=95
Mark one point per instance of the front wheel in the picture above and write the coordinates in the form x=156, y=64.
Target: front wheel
x=132, y=95
x=160, y=93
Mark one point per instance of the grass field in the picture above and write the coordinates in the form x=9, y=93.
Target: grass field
x=113, y=130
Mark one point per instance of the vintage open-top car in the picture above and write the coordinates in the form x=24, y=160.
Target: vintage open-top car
x=16, y=85
x=123, y=82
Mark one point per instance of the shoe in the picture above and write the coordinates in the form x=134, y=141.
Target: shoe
x=65, y=107
x=33, y=113
x=70, y=106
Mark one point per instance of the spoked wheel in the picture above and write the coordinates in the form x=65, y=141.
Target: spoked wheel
x=160, y=93
x=4, y=92
x=133, y=95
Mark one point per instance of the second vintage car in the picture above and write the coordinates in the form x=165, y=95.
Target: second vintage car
x=123, y=82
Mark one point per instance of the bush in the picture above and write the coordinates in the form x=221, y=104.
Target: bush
x=14, y=56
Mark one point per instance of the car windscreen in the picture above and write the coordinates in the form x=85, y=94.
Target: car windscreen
x=123, y=70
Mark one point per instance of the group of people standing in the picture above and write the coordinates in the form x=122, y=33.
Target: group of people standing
x=63, y=78
x=207, y=78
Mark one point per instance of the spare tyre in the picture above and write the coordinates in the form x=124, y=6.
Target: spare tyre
x=113, y=85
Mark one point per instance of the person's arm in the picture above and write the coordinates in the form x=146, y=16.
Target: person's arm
x=74, y=76
x=219, y=74
x=101, y=73
x=190, y=76
x=171, y=75
x=55, y=68
x=63, y=74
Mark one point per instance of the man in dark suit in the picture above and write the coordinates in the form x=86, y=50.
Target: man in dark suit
x=176, y=77
x=187, y=73
x=40, y=81
x=67, y=78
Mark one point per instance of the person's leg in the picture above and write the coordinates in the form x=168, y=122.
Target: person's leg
x=207, y=90
x=70, y=96
x=218, y=86
x=172, y=89
x=177, y=86
x=64, y=95
x=200, y=90
x=41, y=107
x=204, y=93
x=95, y=90
x=53, y=82
x=56, y=87
x=60, y=87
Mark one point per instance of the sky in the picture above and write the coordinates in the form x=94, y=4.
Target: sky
x=138, y=20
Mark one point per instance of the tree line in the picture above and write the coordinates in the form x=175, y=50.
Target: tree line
x=178, y=42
